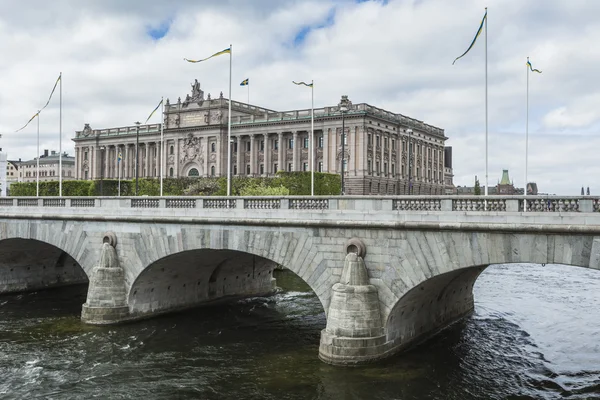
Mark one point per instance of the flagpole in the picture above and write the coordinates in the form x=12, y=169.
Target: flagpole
x=248, y=92
x=37, y=173
x=60, y=141
x=162, y=144
x=526, y=136
x=229, y=127
x=312, y=138
x=486, y=106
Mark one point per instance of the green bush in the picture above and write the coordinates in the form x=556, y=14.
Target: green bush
x=284, y=183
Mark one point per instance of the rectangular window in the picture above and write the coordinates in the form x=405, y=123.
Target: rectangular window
x=369, y=167
x=345, y=139
x=377, y=167
x=418, y=171
x=248, y=169
x=234, y=147
x=321, y=165
x=305, y=166
x=275, y=168
x=234, y=170
x=86, y=175
x=290, y=168
x=262, y=169
x=378, y=141
x=85, y=156
x=393, y=169
x=385, y=170
x=262, y=145
x=290, y=143
x=275, y=144
x=369, y=139
x=306, y=142
x=393, y=144
x=321, y=141
x=385, y=141
x=247, y=146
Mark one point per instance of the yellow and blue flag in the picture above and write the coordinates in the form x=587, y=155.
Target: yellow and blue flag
x=245, y=82
x=153, y=111
x=303, y=83
x=120, y=157
x=30, y=119
x=226, y=51
x=45, y=105
x=474, y=39
x=533, y=69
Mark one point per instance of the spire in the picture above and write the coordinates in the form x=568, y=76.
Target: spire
x=505, y=180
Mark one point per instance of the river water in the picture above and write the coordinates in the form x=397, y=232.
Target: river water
x=535, y=334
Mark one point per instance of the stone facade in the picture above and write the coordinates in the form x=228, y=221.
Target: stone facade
x=375, y=152
x=49, y=163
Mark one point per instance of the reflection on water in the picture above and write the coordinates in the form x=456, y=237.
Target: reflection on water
x=534, y=335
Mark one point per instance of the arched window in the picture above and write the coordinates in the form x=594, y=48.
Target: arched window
x=193, y=172
x=213, y=147
x=171, y=172
x=212, y=171
x=171, y=150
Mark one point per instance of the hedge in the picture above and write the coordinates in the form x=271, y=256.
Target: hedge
x=298, y=184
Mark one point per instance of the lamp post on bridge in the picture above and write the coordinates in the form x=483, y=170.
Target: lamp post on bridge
x=137, y=145
x=343, y=109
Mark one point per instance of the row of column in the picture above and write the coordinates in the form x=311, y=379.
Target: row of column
x=149, y=161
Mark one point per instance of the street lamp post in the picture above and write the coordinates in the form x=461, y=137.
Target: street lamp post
x=102, y=149
x=343, y=109
x=137, y=145
x=409, y=131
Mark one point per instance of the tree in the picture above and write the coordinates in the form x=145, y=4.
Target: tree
x=477, y=189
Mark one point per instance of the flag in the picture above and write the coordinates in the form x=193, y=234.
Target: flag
x=51, y=93
x=533, y=69
x=120, y=157
x=227, y=50
x=474, y=39
x=30, y=119
x=245, y=82
x=153, y=111
x=302, y=83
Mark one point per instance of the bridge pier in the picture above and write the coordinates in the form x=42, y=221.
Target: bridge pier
x=354, y=332
x=107, y=294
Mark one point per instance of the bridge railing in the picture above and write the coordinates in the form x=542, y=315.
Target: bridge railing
x=463, y=204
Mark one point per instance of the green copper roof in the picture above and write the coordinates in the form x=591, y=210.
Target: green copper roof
x=505, y=180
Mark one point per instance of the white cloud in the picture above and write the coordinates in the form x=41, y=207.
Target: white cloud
x=395, y=55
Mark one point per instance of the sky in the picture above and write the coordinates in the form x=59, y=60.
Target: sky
x=118, y=58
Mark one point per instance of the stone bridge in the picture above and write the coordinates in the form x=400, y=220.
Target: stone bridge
x=389, y=271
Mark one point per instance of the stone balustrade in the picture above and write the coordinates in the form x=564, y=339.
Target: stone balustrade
x=462, y=204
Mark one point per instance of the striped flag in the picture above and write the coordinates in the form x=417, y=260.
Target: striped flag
x=303, y=83
x=226, y=51
x=474, y=39
x=153, y=111
x=533, y=69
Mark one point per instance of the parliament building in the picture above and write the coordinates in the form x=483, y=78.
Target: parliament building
x=382, y=152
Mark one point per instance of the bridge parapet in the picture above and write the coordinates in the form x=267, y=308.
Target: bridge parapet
x=560, y=204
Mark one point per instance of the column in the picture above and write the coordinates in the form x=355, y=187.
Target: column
x=77, y=163
x=353, y=155
x=219, y=161
x=267, y=153
x=281, y=152
x=252, y=156
x=295, y=152
x=326, y=134
x=176, y=163
x=389, y=159
x=116, y=165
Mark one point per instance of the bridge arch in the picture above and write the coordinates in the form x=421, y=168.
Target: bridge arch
x=31, y=264
x=439, y=289
x=207, y=265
